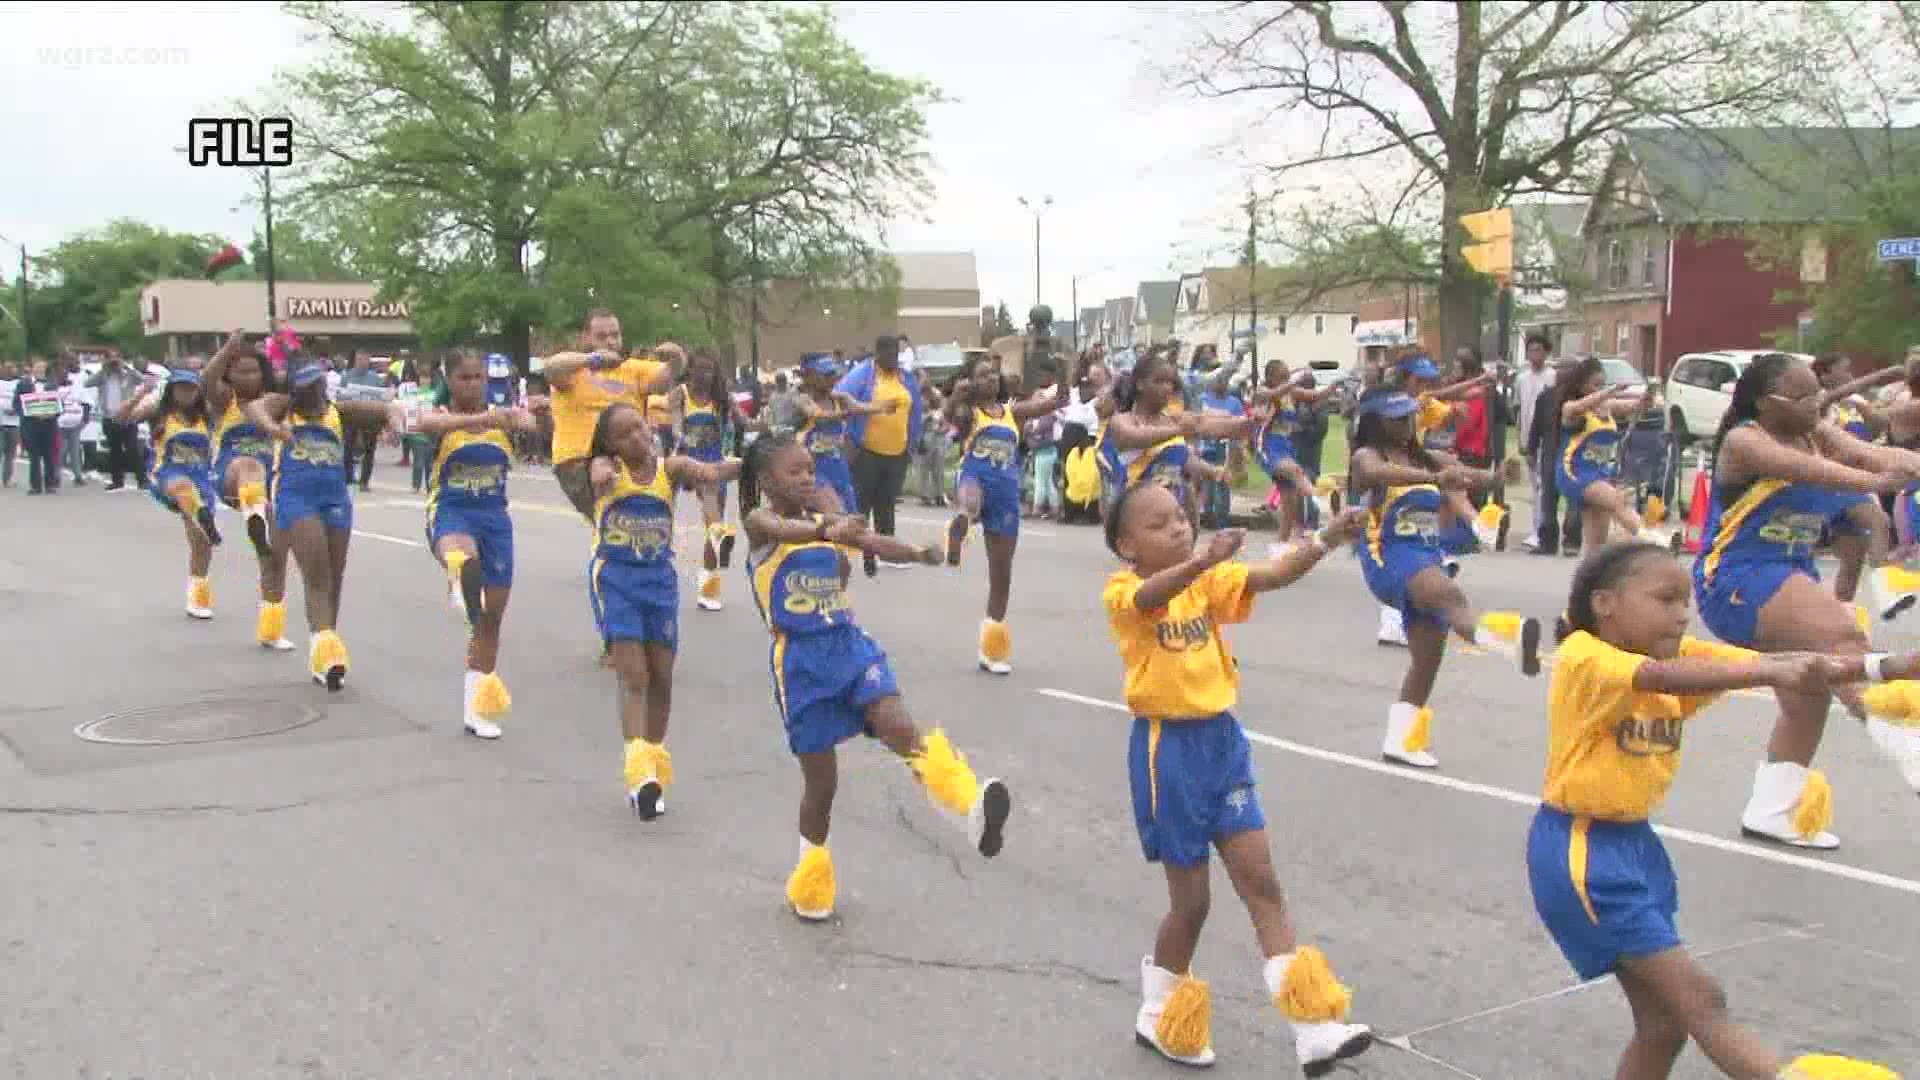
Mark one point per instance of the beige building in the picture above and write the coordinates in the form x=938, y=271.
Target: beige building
x=939, y=304
x=330, y=316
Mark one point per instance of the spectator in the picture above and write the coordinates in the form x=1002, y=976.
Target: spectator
x=906, y=353
x=1043, y=437
x=362, y=380
x=1473, y=431
x=1530, y=387
x=116, y=385
x=933, y=449
x=9, y=422
x=783, y=407
x=36, y=401
x=1218, y=399
x=74, y=415
x=880, y=466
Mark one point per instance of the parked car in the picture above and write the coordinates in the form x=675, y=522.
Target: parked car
x=1700, y=387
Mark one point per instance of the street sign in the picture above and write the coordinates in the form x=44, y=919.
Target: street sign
x=1905, y=247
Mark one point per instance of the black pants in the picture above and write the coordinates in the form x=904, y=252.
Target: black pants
x=361, y=444
x=41, y=441
x=877, y=482
x=123, y=451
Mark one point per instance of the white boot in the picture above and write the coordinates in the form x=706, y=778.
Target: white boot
x=477, y=725
x=1409, y=731
x=1901, y=744
x=1156, y=987
x=1319, y=1043
x=1778, y=787
x=707, y=593
x=1894, y=589
x=199, y=598
x=1392, y=630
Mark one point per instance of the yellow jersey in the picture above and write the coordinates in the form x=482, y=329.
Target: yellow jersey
x=887, y=432
x=577, y=408
x=1179, y=666
x=1433, y=424
x=1612, y=751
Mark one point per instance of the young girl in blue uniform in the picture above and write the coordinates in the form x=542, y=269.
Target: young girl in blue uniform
x=1283, y=396
x=989, y=490
x=1146, y=436
x=831, y=682
x=312, y=501
x=635, y=589
x=243, y=472
x=182, y=477
x=1403, y=553
x=1782, y=476
x=1591, y=413
x=823, y=431
x=1192, y=773
x=703, y=413
x=1626, y=684
x=470, y=445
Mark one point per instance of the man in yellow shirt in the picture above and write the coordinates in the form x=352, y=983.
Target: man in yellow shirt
x=883, y=439
x=585, y=383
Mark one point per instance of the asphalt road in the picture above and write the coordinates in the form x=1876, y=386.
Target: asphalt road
x=372, y=894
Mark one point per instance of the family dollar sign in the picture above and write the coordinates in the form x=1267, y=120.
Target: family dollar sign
x=240, y=141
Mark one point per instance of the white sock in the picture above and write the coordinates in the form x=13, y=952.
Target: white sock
x=807, y=845
x=472, y=686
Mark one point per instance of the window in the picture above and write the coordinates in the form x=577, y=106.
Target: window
x=1813, y=259
x=1646, y=260
x=1616, y=264
x=1281, y=327
x=1622, y=333
x=1319, y=324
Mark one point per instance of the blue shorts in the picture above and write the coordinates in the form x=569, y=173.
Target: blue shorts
x=1193, y=786
x=999, y=500
x=172, y=474
x=1730, y=604
x=824, y=682
x=632, y=602
x=492, y=533
x=334, y=509
x=1276, y=451
x=1574, y=484
x=1389, y=577
x=225, y=461
x=1604, y=889
x=834, y=473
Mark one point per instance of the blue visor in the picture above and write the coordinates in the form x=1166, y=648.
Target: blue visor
x=1389, y=406
x=306, y=375
x=1420, y=367
x=819, y=364
x=185, y=376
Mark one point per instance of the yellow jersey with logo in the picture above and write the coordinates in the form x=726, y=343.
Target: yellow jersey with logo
x=1179, y=666
x=470, y=470
x=801, y=588
x=887, y=432
x=577, y=408
x=182, y=445
x=993, y=445
x=1409, y=514
x=1612, y=750
x=313, y=458
x=235, y=435
x=634, y=520
x=700, y=429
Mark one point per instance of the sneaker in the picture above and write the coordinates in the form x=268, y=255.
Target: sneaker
x=1512, y=636
x=1393, y=630
x=327, y=660
x=649, y=769
x=987, y=820
x=199, y=598
x=1321, y=1047
x=869, y=564
x=725, y=553
x=707, y=594
x=1895, y=589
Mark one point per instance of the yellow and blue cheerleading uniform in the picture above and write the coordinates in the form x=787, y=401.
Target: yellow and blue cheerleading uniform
x=1591, y=453
x=631, y=582
x=1403, y=536
x=991, y=461
x=1759, y=534
x=1601, y=879
x=1164, y=462
x=1276, y=439
x=181, y=451
x=1189, y=764
x=702, y=430
x=1433, y=424
x=826, y=670
x=825, y=437
x=309, y=477
x=467, y=496
x=236, y=437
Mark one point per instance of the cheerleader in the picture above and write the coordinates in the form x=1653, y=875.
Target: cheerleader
x=470, y=448
x=1590, y=417
x=182, y=479
x=243, y=469
x=831, y=682
x=1842, y=404
x=1145, y=437
x=312, y=501
x=1625, y=685
x=823, y=431
x=703, y=411
x=1404, y=485
x=633, y=587
x=1282, y=394
x=1781, y=476
x=989, y=489
x=1191, y=771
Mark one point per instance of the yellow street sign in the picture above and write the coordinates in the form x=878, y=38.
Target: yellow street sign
x=1492, y=251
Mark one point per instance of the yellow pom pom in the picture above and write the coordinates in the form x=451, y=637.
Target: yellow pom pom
x=1311, y=994
x=202, y=592
x=1814, y=812
x=329, y=652
x=950, y=783
x=646, y=759
x=1420, y=735
x=810, y=886
x=271, y=626
x=1656, y=510
x=1504, y=625
x=253, y=494
x=456, y=561
x=1895, y=702
x=1186, y=1024
x=1490, y=515
x=996, y=641
x=710, y=586
x=490, y=697
x=1831, y=1067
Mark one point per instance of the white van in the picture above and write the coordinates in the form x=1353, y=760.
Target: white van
x=1700, y=387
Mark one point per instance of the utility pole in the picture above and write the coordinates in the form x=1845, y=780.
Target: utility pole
x=1253, y=272
x=1037, y=209
x=266, y=183
x=753, y=289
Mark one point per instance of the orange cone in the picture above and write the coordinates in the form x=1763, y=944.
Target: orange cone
x=1697, y=512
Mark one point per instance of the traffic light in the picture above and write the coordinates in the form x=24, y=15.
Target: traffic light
x=1492, y=251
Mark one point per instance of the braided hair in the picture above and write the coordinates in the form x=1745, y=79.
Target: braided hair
x=1371, y=433
x=1604, y=569
x=1762, y=373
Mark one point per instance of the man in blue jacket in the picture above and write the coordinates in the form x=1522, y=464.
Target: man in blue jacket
x=882, y=441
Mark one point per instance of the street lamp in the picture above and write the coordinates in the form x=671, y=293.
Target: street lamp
x=1037, y=209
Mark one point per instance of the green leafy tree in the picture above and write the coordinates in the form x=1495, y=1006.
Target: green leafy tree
x=508, y=165
x=86, y=290
x=300, y=253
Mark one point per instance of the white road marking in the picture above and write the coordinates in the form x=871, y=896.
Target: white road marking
x=390, y=539
x=1686, y=836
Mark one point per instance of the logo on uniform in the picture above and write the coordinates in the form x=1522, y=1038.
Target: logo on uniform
x=874, y=674
x=1238, y=799
x=1648, y=736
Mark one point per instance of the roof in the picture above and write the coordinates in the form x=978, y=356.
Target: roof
x=1120, y=311
x=1753, y=175
x=1159, y=297
x=954, y=270
x=1561, y=219
x=1280, y=290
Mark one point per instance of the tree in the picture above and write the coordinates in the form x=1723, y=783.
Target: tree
x=1457, y=108
x=508, y=165
x=300, y=253
x=86, y=290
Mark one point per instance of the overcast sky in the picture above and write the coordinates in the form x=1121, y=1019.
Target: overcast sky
x=94, y=97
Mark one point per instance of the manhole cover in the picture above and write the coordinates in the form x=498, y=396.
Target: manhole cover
x=197, y=722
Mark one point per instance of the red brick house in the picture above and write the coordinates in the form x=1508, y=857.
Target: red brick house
x=1668, y=267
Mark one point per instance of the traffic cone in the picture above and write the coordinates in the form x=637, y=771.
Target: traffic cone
x=1697, y=512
